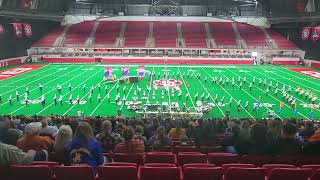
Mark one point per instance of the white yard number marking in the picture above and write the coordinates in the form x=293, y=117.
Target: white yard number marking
x=16, y=71
x=311, y=73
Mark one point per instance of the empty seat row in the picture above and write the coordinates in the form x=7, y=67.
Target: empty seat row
x=129, y=171
x=212, y=158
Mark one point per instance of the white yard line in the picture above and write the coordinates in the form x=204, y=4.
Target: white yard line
x=127, y=96
x=194, y=107
x=50, y=90
x=68, y=93
x=149, y=65
x=230, y=95
x=278, y=74
x=270, y=96
x=24, y=85
x=298, y=98
x=20, y=79
x=103, y=99
x=151, y=83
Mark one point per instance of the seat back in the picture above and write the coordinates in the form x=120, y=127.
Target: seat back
x=199, y=165
x=186, y=158
x=159, y=165
x=288, y=159
x=4, y=172
x=270, y=167
x=258, y=160
x=199, y=173
x=237, y=173
x=314, y=167
x=290, y=173
x=178, y=149
x=33, y=172
x=159, y=173
x=117, y=172
x=132, y=158
x=225, y=167
x=82, y=172
x=50, y=164
x=120, y=164
x=222, y=158
x=316, y=175
x=160, y=157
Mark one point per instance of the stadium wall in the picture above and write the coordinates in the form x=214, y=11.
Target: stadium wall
x=12, y=61
x=11, y=46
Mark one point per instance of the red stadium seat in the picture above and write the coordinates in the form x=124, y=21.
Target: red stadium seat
x=117, y=172
x=120, y=164
x=74, y=172
x=159, y=173
x=199, y=165
x=187, y=158
x=245, y=174
x=316, y=175
x=123, y=157
x=50, y=164
x=4, y=172
x=33, y=172
x=211, y=149
x=178, y=149
x=314, y=167
x=160, y=157
x=289, y=159
x=290, y=173
x=222, y=158
x=270, y=167
x=159, y=165
x=225, y=167
x=258, y=160
x=199, y=173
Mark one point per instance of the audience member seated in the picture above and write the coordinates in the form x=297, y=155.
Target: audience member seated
x=84, y=148
x=62, y=139
x=308, y=130
x=256, y=143
x=130, y=145
x=8, y=135
x=177, y=132
x=46, y=129
x=107, y=138
x=287, y=144
x=32, y=141
x=139, y=135
x=313, y=146
x=159, y=139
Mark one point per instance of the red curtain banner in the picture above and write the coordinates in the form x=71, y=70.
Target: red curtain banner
x=18, y=29
x=1, y=30
x=315, y=36
x=27, y=29
x=26, y=4
x=306, y=33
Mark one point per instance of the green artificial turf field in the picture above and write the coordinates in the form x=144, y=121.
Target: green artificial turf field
x=92, y=74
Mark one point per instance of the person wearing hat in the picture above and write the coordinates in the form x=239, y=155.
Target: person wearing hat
x=31, y=139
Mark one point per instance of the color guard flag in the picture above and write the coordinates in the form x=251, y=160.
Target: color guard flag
x=125, y=71
x=27, y=29
x=17, y=28
x=141, y=70
x=1, y=29
x=306, y=33
x=108, y=72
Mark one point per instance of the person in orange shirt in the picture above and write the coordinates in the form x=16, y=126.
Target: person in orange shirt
x=32, y=141
x=130, y=144
x=177, y=132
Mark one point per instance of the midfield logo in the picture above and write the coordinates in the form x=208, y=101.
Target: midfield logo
x=163, y=83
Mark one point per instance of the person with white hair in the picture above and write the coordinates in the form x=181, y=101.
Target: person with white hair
x=46, y=129
x=31, y=139
x=62, y=139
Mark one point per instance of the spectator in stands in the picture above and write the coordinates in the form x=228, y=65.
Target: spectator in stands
x=74, y=123
x=84, y=148
x=11, y=155
x=139, y=134
x=274, y=129
x=32, y=141
x=8, y=135
x=47, y=130
x=256, y=144
x=244, y=129
x=175, y=133
x=308, y=130
x=313, y=146
x=130, y=145
x=107, y=138
x=62, y=139
x=120, y=128
x=159, y=139
x=150, y=127
x=288, y=144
